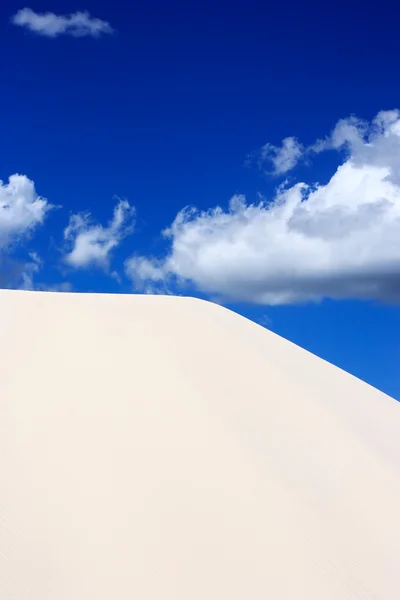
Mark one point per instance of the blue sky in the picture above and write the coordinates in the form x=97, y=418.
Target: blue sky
x=118, y=115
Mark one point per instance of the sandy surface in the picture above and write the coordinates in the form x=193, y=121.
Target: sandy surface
x=167, y=449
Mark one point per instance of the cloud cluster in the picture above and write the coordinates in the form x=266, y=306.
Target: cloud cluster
x=79, y=24
x=21, y=209
x=87, y=244
x=308, y=242
x=91, y=244
x=339, y=240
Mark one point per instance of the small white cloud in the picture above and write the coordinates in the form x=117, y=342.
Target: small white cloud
x=92, y=244
x=148, y=275
x=140, y=268
x=79, y=24
x=339, y=240
x=21, y=209
x=283, y=158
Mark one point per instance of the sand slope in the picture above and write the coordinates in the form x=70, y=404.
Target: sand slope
x=165, y=448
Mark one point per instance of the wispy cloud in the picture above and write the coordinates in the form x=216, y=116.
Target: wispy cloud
x=29, y=271
x=350, y=133
x=78, y=24
x=265, y=321
x=339, y=240
x=283, y=158
x=64, y=286
x=91, y=244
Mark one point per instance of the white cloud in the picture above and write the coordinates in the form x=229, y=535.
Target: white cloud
x=21, y=209
x=149, y=275
x=339, y=240
x=283, y=158
x=91, y=244
x=79, y=24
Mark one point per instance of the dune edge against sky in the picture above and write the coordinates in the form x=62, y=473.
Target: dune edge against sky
x=162, y=446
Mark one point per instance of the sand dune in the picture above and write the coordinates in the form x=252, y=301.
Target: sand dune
x=160, y=448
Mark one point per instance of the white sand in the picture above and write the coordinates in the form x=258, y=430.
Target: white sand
x=167, y=449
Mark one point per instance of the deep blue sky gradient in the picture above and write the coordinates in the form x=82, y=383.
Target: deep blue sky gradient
x=165, y=112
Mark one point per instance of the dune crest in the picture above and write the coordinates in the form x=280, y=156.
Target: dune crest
x=165, y=448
